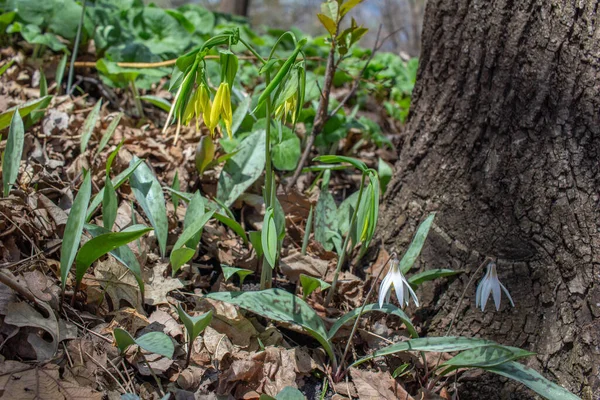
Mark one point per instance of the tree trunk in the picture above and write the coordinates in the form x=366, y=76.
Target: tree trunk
x=236, y=7
x=503, y=141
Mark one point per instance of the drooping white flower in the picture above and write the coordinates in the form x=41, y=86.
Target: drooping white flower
x=490, y=284
x=395, y=278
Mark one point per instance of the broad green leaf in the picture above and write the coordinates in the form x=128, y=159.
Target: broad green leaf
x=281, y=306
x=122, y=254
x=269, y=238
x=442, y=344
x=285, y=150
x=116, y=181
x=195, y=209
x=109, y=132
x=149, y=195
x=233, y=225
x=325, y=219
x=310, y=284
x=287, y=393
x=228, y=272
x=189, y=232
x=387, y=308
x=416, y=245
x=194, y=325
x=344, y=213
x=109, y=199
x=385, y=172
x=333, y=159
x=348, y=5
x=243, y=169
x=486, y=357
x=153, y=342
x=240, y=113
x=256, y=240
x=88, y=126
x=74, y=227
x=11, y=159
x=431, y=274
x=157, y=101
x=331, y=9
x=43, y=84
x=533, y=380
x=205, y=153
x=24, y=110
x=328, y=23
x=103, y=244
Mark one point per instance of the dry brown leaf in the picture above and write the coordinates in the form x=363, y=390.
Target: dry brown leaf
x=23, y=315
x=217, y=344
x=372, y=385
x=171, y=327
x=295, y=264
x=279, y=370
x=129, y=319
x=21, y=381
x=159, y=286
x=119, y=283
x=190, y=378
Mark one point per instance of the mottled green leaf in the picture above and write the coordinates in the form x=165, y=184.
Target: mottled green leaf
x=11, y=159
x=416, y=245
x=387, y=308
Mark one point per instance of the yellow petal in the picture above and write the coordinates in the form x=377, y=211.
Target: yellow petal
x=226, y=114
x=215, y=111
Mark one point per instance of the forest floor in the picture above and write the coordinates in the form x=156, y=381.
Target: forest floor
x=68, y=351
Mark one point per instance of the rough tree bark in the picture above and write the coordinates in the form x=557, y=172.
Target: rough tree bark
x=503, y=142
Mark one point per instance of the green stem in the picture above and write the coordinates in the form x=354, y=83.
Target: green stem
x=340, y=262
x=75, y=48
x=136, y=100
x=267, y=272
x=251, y=50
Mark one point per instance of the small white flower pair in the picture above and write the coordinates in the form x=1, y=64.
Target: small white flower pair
x=395, y=278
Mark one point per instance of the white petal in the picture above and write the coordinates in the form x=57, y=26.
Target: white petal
x=384, y=289
x=398, y=284
x=485, y=293
x=478, y=293
x=495, y=283
x=413, y=294
x=507, y=294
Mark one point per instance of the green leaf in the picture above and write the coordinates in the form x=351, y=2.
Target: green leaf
x=194, y=325
x=122, y=254
x=328, y=23
x=348, y=5
x=109, y=199
x=189, y=232
x=344, y=213
x=269, y=238
x=11, y=160
x=176, y=187
x=205, y=153
x=482, y=357
x=442, y=344
x=430, y=275
x=255, y=239
x=287, y=393
x=74, y=227
x=60, y=72
x=331, y=9
x=233, y=225
x=333, y=159
x=157, y=101
x=24, y=110
x=240, y=113
x=6, y=66
x=307, y=230
x=43, y=84
x=116, y=181
x=385, y=172
x=416, y=245
x=228, y=272
x=310, y=284
x=281, y=306
x=387, y=308
x=88, y=126
x=325, y=219
x=103, y=244
x=149, y=195
x=285, y=151
x=533, y=380
x=243, y=169
x=153, y=342
x=109, y=132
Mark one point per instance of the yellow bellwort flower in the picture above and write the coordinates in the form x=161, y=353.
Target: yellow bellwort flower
x=288, y=106
x=221, y=109
x=199, y=106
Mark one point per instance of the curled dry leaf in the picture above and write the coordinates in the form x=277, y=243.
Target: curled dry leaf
x=372, y=385
x=160, y=285
x=295, y=264
x=23, y=315
x=119, y=283
x=170, y=326
x=21, y=381
x=217, y=344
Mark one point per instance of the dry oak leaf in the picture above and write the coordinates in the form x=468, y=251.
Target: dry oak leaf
x=159, y=286
x=295, y=264
x=372, y=385
x=20, y=381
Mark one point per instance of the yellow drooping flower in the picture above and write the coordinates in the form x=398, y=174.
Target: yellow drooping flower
x=199, y=106
x=288, y=106
x=221, y=109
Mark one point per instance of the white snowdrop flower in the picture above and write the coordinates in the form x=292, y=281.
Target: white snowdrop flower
x=490, y=284
x=395, y=278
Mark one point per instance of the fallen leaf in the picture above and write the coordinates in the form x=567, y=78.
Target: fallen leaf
x=21, y=381
x=295, y=264
x=119, y=283
x=372, y=385
x=159, y=286
x=23, y=315
x=170, y=326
